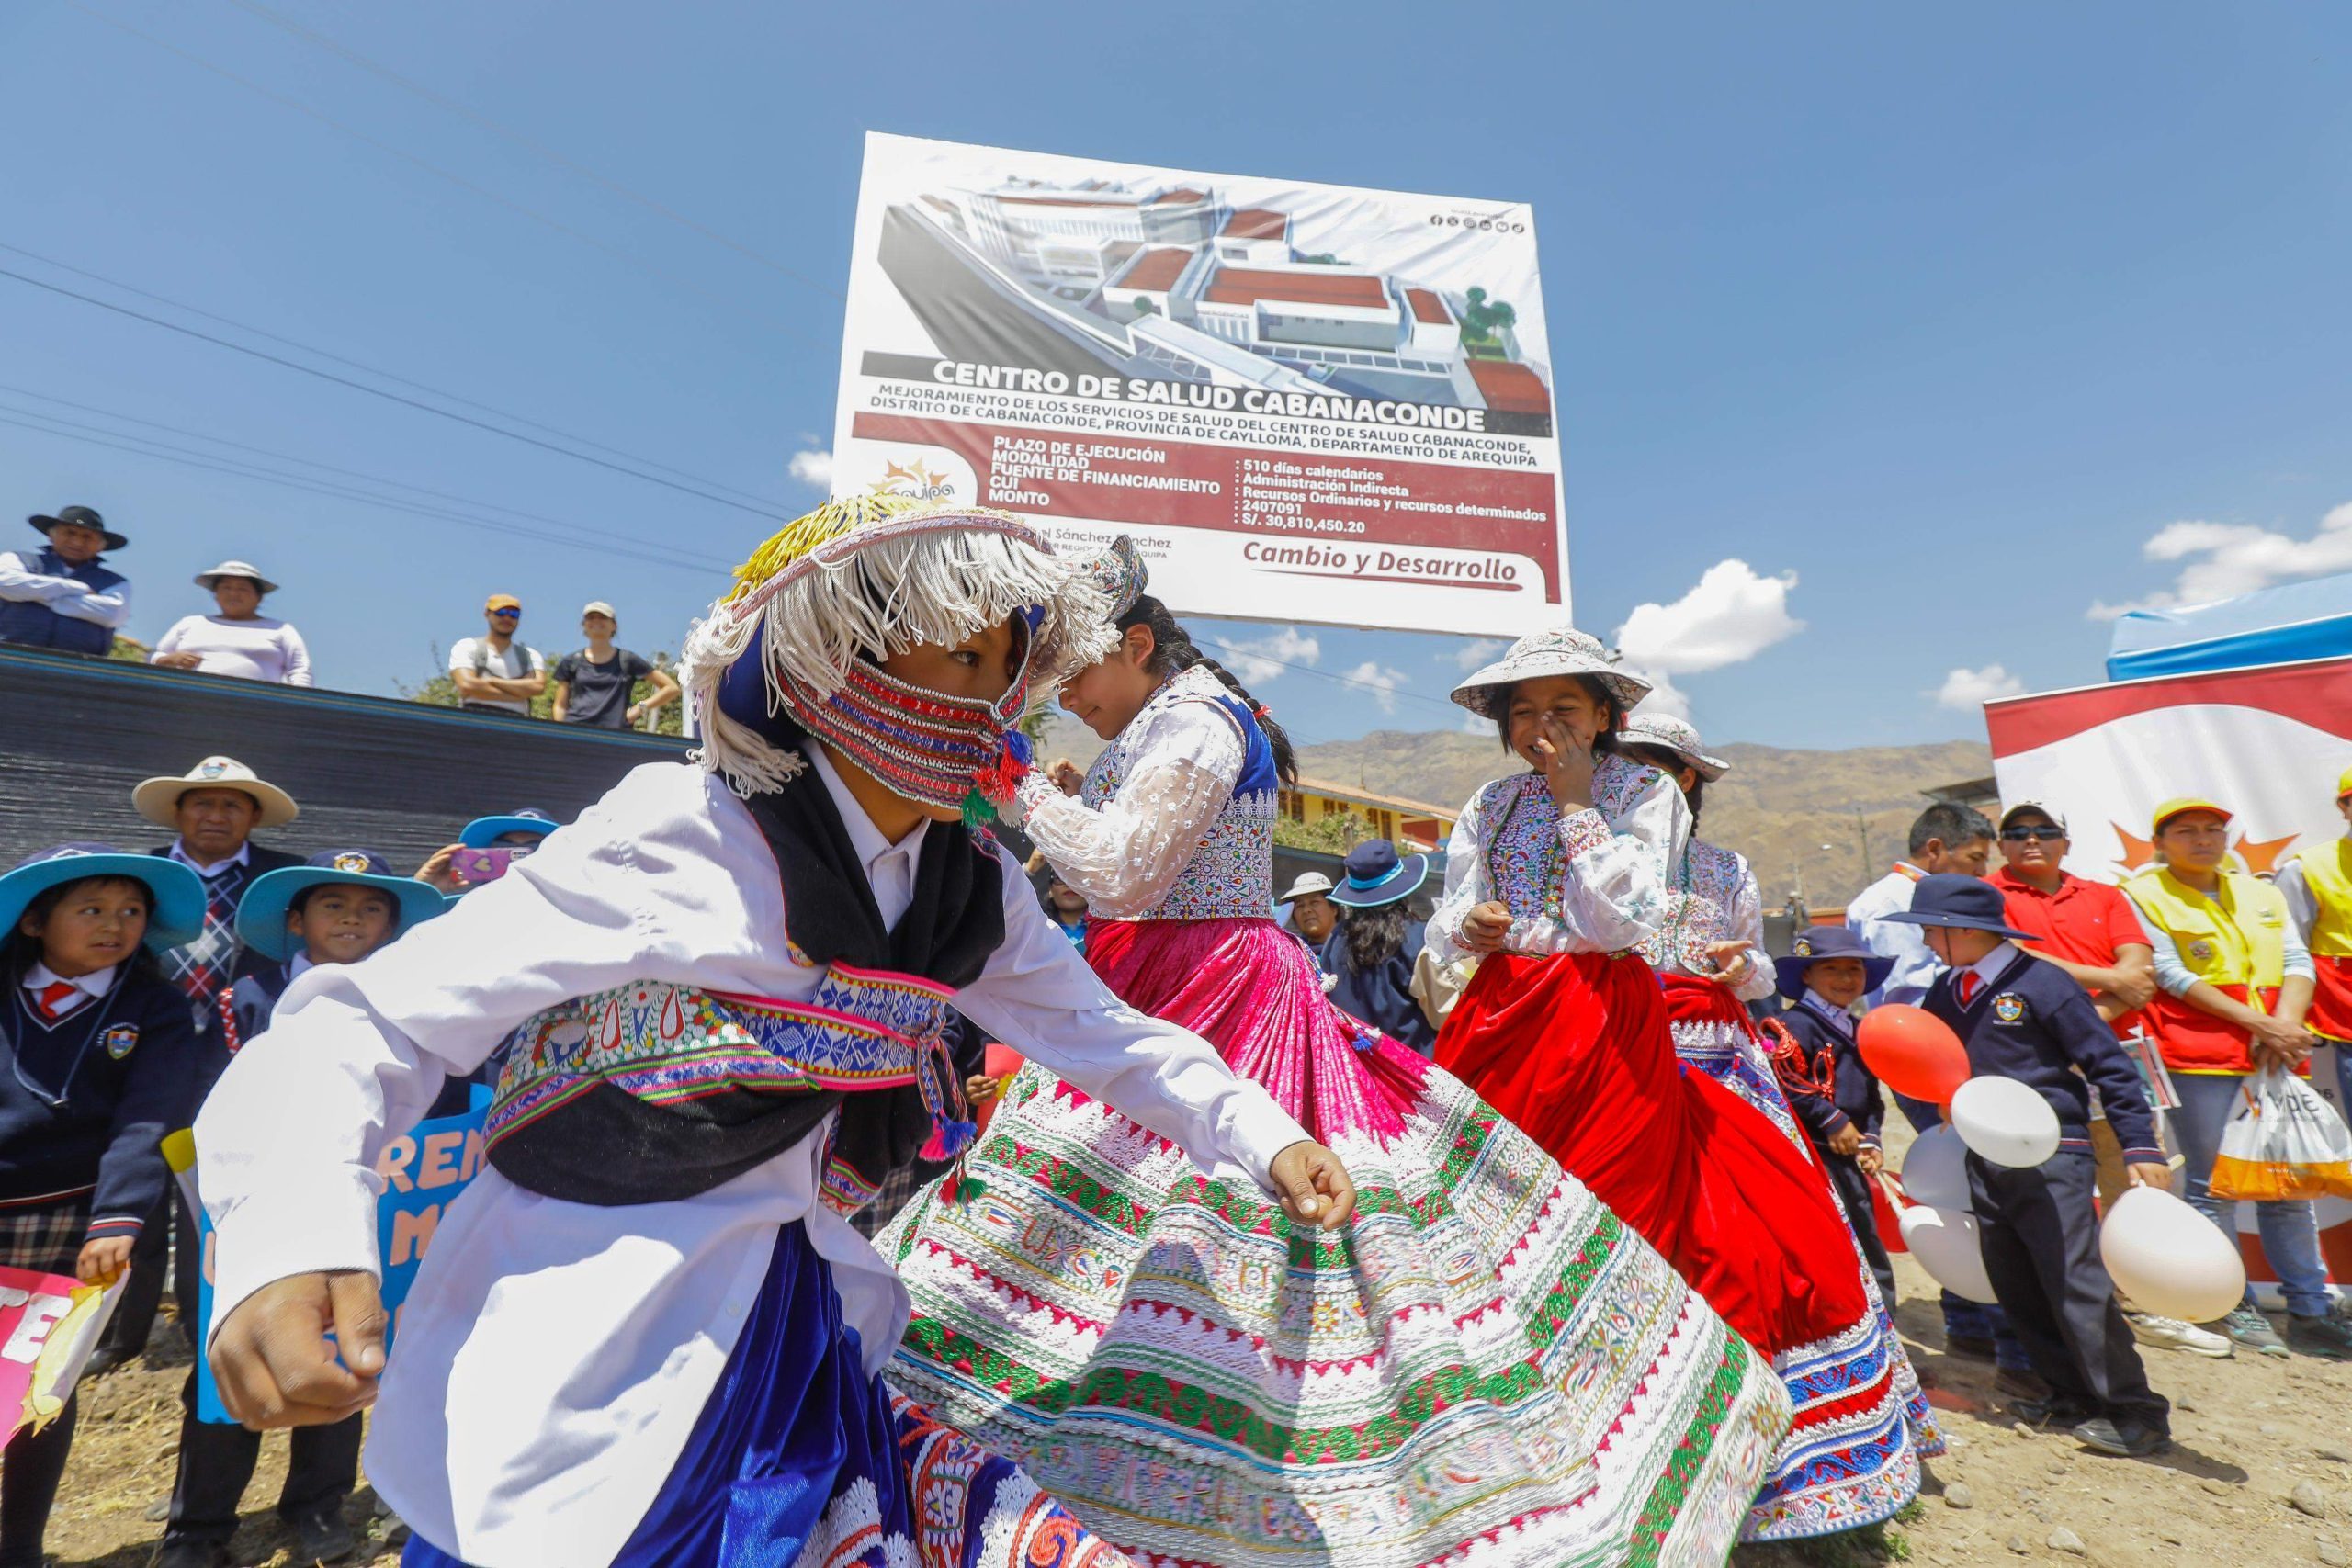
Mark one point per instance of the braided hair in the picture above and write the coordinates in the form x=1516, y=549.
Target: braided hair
x=1172, y=651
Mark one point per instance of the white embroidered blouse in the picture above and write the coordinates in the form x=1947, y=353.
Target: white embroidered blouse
x=1592, y=881
x=1720, y=902
x=1167, y=826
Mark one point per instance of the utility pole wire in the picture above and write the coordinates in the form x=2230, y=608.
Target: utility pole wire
x=407, y=85
x=456, y=179
x=374, y=370
x=394, y=397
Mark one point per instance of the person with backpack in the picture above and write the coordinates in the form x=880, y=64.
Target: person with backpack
x=492, y=673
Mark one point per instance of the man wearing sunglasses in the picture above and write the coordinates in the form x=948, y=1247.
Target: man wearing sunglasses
x=493, y=673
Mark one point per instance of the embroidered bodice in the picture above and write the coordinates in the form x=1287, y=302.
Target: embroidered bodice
x=1713, y=898
x=1592, y=881
x=1176, y=818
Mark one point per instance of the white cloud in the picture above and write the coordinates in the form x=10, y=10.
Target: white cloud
x=1971, y=689
x=814, y=466
x=1378, y=683
x=2222, y=560
x=1478, y=652
x=1257, y=661
x=1730, y=615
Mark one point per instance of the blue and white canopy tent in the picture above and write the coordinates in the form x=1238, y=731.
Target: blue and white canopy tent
x=2272, y=625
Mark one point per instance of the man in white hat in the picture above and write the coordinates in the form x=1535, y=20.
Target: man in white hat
x=212, y=809
x=1312, y=918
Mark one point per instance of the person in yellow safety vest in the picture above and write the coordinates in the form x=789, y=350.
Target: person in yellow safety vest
x=2317, y=885
x=2234, y=981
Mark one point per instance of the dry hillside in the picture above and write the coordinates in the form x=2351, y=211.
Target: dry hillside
x=1777, y=806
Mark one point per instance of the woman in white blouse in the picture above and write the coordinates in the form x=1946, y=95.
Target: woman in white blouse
x=240, y=640
x=1561, y=881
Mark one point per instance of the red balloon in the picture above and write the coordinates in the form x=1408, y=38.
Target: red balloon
x=1913, y=1051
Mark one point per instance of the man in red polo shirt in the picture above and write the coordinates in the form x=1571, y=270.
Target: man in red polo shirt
x=2091, y=932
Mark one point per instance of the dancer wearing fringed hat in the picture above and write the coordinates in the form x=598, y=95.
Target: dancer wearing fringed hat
x=1488, y=1367
x=647, y=1333
x=1558, y=880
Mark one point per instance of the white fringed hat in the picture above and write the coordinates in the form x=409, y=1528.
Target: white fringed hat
x=1677, y=736
x=1562, y=650
x=871, y=576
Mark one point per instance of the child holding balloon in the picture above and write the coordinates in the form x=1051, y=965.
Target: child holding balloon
x=1838, y=1102
x=2027, y=1020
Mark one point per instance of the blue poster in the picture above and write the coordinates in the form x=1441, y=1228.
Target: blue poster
x=422, y=1169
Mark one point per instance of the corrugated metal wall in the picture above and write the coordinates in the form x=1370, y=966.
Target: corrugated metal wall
x=77, y=734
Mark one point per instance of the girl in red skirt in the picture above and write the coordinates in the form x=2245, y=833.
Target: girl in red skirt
x=1557, y=879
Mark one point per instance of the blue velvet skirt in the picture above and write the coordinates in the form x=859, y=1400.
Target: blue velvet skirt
x=799, y=1457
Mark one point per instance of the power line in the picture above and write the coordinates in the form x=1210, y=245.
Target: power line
x=394, y=397
x=453, y=178
x=569, y=529
x=375, y=370
x=157, y=450
x=440, y=101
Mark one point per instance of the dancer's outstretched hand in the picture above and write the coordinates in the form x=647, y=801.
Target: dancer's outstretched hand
x=1315, y=1187
x=276, y=1365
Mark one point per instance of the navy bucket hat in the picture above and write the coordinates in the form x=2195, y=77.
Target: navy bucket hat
x=1376, y=877
x=1969, y=903
x=1817, y=942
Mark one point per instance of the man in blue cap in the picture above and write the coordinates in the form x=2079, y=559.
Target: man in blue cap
x=62, y=596
x=2025, y=1020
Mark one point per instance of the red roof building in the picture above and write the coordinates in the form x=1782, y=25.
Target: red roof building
x=1184, y=197
x=1257, y=223
x=1511, y=387
x=1155, y=271
x=1428, y=308
x=1252, y=285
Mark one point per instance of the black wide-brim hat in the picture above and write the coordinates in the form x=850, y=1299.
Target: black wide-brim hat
x=82, y=517
x=1968, y=903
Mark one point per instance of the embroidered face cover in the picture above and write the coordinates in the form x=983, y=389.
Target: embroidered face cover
x=960, y=753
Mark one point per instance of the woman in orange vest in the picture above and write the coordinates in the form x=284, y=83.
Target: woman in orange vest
x=2234, y=981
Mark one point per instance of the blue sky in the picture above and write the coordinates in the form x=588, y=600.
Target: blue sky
x=1947, y=312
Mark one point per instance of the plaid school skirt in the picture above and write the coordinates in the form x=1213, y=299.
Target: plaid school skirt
x=45, y=1236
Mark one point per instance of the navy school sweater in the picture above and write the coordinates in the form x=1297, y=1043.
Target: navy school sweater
x=2034, y=1023
x=1831, y=1057
x=85, y=1101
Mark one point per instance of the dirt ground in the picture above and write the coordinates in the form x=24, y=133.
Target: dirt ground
x=2247, y=1432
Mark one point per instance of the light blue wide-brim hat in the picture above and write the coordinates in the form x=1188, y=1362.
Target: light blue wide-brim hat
x=261, y=913
x=177, y=911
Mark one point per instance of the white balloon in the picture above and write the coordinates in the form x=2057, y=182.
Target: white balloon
x=1936, y=1170
x=2169, y=1260
x=2004, y=1121
x=1944, y=1241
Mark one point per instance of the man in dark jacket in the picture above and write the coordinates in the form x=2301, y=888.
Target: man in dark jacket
x=2031, y=1022
x=213, y=808
x=62, y=596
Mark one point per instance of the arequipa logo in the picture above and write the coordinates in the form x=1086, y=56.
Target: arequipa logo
x=912, y=479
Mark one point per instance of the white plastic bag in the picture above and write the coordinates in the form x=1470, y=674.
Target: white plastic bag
x=2282, y=1141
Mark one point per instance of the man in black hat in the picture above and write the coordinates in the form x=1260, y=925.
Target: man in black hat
x=59, y=596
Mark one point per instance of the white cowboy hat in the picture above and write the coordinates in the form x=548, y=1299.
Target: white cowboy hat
x=208, y=581
x=1308, y=882
x=1670, y=734
x=1562, y=650
x=158, y=799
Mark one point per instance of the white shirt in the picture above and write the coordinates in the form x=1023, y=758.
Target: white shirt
x=256, y=650
x=1915, y=965
x=554, y=1356
x=179, y=852
x=507, y=666
x=66, y=595
x=89, y=988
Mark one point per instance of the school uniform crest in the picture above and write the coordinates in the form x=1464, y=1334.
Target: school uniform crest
x=357, y=862
x=119, y=1040
x=2200, y=950
x=2009, y=1006
x=1803, y=947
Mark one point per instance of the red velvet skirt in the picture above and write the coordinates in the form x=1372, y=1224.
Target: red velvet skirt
x=1574, y=1048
